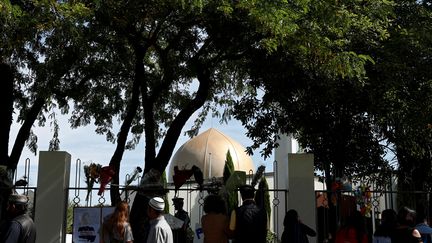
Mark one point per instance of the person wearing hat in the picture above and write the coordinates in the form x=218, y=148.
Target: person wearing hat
x=248, y=223
x=160, y=231
x=180, y=235
x=20, y=227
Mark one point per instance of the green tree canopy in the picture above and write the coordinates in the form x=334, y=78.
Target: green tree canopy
x=36, y=37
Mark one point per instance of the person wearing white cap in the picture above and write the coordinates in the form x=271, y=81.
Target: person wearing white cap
x=160, y=231
x=20, y=227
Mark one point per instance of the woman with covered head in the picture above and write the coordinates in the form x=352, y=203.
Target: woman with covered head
x=116, y=227
x=294, y=230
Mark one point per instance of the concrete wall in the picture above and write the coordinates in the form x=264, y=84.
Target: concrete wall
x=51, y=199
x=301, y=191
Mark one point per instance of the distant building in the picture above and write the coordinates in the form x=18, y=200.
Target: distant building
x=208, y=151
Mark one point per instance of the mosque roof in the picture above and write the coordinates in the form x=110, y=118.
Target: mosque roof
x=208, y=151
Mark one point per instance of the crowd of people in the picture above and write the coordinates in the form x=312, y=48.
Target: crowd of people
x=402, y=227
x=395, y=227
x=246, y=223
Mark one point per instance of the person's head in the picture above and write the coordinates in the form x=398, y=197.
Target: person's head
x=406, y=216
x=247, y=192
x=291, y=217
x=178, y=203
x=155, y=207
x=356, y=220
x=17, y=205
x=117, y=218
x=214, y=204
x=388, y=217
x=122, y=210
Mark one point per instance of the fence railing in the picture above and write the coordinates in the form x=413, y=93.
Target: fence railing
x=328, y=218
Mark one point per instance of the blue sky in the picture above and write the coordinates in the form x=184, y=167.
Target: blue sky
x=84, y=144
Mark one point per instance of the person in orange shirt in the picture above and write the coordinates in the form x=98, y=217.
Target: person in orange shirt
x=215, y=221
x=354, y=231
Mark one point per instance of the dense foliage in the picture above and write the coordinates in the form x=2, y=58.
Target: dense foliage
x=348, y=78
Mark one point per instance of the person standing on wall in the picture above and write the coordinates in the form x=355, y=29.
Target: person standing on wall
x=248, y=222
x=19, y=227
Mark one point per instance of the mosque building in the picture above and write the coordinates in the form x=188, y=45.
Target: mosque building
x=208, y=152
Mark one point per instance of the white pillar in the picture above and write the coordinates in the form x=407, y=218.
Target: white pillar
x=281, y=176
x=301, y=191
x=51, y=197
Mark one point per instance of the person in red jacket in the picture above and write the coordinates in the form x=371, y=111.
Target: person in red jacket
x=354, y=231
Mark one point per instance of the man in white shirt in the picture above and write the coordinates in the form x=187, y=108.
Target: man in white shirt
x=160, y=231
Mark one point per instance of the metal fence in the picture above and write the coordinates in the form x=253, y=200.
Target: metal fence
x=328, y=218
x=334, y=208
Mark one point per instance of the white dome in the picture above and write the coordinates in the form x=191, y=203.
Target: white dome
x=208, y=151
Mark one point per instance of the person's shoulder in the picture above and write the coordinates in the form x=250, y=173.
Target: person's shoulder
x=416, y=233
x=22, y=219
x=424, y=228
x=14, y=225
x=184, y=213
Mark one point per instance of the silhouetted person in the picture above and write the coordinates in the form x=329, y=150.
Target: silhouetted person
x=215, y=221
x=424, y=229
x=19, y=227
x=180, y=235
x=354, y=231
x=248, y=222
x=294, y=230
x=405, y=231
x=385, y=230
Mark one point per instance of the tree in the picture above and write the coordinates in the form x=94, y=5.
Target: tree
x=350, y=115
x=316, y=90
x=160, y=51
x=403, y=96
x=231, y=196
x=153, y=64
x=35, y=37
x=164, y=60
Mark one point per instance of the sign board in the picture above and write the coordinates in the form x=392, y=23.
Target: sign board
x=87, y=223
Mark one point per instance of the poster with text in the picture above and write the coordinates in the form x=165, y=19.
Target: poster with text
x=86, y=224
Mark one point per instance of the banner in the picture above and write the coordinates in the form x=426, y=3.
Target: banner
x=87, y=223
